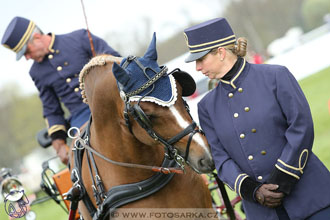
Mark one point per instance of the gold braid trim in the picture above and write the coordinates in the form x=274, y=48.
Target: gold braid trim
x=99, y=60
x=302, y=164
x=238, y=177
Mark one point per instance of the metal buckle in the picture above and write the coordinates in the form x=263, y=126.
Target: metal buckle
x=82, y=142
x=179, y=160
x=76, y=135
x=74, y=172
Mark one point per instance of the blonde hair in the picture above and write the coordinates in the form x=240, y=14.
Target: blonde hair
x=239, y=48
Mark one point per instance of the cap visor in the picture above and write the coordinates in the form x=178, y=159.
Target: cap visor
x=195, y=56
x=20, y=53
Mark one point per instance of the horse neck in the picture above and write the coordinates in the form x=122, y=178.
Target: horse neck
x=109, y=133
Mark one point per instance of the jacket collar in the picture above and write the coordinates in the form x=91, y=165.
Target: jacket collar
x=51, y=45
x=234, y=82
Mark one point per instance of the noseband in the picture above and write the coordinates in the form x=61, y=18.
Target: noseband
x=139, y=116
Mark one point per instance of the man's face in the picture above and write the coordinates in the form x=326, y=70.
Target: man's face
x=36, y=49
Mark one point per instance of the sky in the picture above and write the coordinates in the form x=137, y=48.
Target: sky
x=64, y=16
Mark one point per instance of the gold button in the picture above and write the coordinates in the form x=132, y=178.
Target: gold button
x=236, y=115
x=240, y=89
x=57, y=51
x=259, y=177
x=263, y=152
x=230, y=95
x=68, y=80
x=250, y=157
x=254, y=130
x=76, y=75
x=59, y=68
x=50, y=56
x=66, y=63
x=76, y=89
x=242, y=136
x=246, y=109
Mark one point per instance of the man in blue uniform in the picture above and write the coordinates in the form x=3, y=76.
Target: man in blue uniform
x=260, y=129
x=58, y=60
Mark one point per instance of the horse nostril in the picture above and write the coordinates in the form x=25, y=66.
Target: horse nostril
x=206, y=163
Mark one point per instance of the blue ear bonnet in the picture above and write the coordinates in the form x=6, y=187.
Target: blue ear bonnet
x=134, y=73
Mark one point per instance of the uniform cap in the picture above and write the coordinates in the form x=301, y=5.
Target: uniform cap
x=17, y=34
x=204, y=37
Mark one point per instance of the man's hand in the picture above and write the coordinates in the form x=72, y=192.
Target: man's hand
x=267, y=196
x=62, y=150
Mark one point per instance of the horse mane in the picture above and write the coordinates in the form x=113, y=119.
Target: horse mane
x=99, y=60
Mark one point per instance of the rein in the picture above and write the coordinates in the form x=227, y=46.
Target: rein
x=84, y=144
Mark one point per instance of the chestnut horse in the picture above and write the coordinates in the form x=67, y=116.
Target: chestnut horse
x=127, y=153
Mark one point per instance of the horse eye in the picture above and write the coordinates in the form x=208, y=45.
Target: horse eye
x=151, y=116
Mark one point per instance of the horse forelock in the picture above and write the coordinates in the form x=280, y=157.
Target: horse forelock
x=99, y=60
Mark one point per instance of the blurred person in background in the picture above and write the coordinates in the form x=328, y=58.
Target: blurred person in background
x=58, y=60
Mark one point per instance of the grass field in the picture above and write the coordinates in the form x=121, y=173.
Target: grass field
x=317, y=90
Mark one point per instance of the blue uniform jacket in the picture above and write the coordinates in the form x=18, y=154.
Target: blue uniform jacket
x=57, y=76
x=260, y=121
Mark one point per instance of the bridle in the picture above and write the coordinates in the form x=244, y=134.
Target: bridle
x=139, y=115
x=176, y=164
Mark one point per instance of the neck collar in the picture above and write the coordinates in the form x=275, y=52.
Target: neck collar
x=50, y=47
x=234, y=73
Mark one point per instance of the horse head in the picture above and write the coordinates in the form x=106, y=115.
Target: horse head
x=153, y=97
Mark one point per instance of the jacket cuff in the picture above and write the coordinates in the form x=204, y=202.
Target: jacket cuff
x=285, y=181
x=294, y=170
x=248, y=189
x=60, y=134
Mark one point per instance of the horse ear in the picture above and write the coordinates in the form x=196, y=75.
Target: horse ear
x=121, y=75
x=151, y=53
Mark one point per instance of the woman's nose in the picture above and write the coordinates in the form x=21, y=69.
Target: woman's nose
x=198, y=66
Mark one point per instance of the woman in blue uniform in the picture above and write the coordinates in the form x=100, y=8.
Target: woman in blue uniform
x=260, y=129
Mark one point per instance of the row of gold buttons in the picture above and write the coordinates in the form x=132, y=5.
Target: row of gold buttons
x=253, y=130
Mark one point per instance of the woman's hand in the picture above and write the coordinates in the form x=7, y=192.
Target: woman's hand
x=267, y=196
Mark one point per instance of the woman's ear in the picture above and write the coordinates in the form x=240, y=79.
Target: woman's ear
x=222, y=53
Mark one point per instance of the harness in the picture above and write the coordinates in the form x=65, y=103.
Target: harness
x=118, y=196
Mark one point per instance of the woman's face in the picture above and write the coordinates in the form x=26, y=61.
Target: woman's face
x=210, y=65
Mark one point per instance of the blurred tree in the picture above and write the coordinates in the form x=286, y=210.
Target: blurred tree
x=313, y=13
x=20, y=119
x=133, y=38
x=262, y=21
